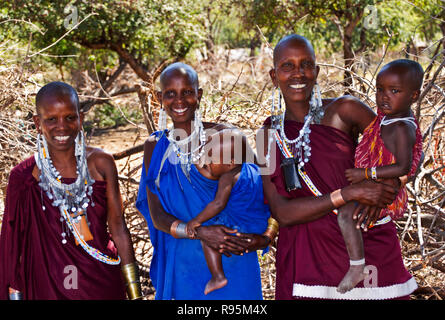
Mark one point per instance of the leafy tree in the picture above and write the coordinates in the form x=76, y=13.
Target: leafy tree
x=346, y=25
x=143, y=33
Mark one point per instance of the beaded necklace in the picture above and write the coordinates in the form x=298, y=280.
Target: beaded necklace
x=69, y=198
x=187, y=158
x=410, y=120
x=298, y=148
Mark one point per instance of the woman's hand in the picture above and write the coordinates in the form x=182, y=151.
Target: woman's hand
x=366, y=215
x=371, y=193
x=369, y=214
x=221, y=238
x=228, y=241
x=254, y=241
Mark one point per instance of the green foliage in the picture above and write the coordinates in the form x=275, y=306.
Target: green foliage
x=150, y=31
x=106, y=116
x=325, y=22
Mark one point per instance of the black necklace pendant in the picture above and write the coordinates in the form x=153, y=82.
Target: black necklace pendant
x=290, y=174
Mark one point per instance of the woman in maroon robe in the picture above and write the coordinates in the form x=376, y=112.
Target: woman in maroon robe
x=38, y=256
x=311, y=255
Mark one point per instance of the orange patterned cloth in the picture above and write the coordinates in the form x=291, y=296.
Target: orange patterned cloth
x=371, y=152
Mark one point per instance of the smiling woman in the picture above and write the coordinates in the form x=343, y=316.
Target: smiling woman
x=59, y=205
x=316, y=138
x=58, y=119
x=175, y=188
x=180, y=95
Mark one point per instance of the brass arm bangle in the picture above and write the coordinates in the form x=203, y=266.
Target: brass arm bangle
x=337, y=199
x=271, y=222
x=272, y=229
x=131, y=275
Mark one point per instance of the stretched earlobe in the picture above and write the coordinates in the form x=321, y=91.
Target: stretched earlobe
x=159, y=96
x=273, y=77
x=415, y=96
x=36, y=120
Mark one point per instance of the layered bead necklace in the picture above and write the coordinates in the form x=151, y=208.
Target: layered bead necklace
x=298, y=148
x=187, y=158
x=71, y=199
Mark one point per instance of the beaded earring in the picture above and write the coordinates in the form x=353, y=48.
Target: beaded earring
x=79, y=144
x=162, y=119
x=316, y=105
x=276, y=111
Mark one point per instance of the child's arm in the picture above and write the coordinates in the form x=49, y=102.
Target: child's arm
x=225, y=184
x=399, y=138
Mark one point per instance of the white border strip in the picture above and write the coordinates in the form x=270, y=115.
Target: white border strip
x=377, y=293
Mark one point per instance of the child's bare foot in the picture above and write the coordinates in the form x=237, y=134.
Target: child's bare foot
x=214, y=284
x=354, y=275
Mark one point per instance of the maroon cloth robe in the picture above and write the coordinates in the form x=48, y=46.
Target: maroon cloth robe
x=311, y=257
x=33, y=259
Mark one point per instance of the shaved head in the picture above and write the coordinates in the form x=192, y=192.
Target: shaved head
x=56, y=90
x=410, y=69
x=292, y=40
x=179, y=69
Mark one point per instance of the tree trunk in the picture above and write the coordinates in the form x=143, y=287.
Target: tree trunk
x=348, y=57
x=132, y=61
x=442, y=27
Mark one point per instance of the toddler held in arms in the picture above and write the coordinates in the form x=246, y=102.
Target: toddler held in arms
x=391, y=147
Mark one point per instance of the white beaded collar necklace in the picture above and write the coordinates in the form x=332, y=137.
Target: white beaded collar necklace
x=187, y=158
x=300, y=146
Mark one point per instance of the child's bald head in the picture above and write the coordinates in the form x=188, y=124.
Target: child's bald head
x=56, y=91
x=179, y=69
x=410, y=70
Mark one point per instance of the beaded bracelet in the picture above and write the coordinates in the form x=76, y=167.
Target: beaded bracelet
x=373, y=173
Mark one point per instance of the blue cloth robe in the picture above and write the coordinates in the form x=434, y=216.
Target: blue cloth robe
x=178, y=268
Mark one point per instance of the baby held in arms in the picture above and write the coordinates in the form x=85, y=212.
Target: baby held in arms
x=226, y=152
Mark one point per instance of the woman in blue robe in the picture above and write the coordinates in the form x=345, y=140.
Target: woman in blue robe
x=170, y=190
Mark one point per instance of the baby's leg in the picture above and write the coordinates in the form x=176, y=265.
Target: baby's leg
x=354, y=245
x=214, y=262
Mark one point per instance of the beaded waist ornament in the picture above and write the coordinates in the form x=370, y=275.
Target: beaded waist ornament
x=71, y=199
